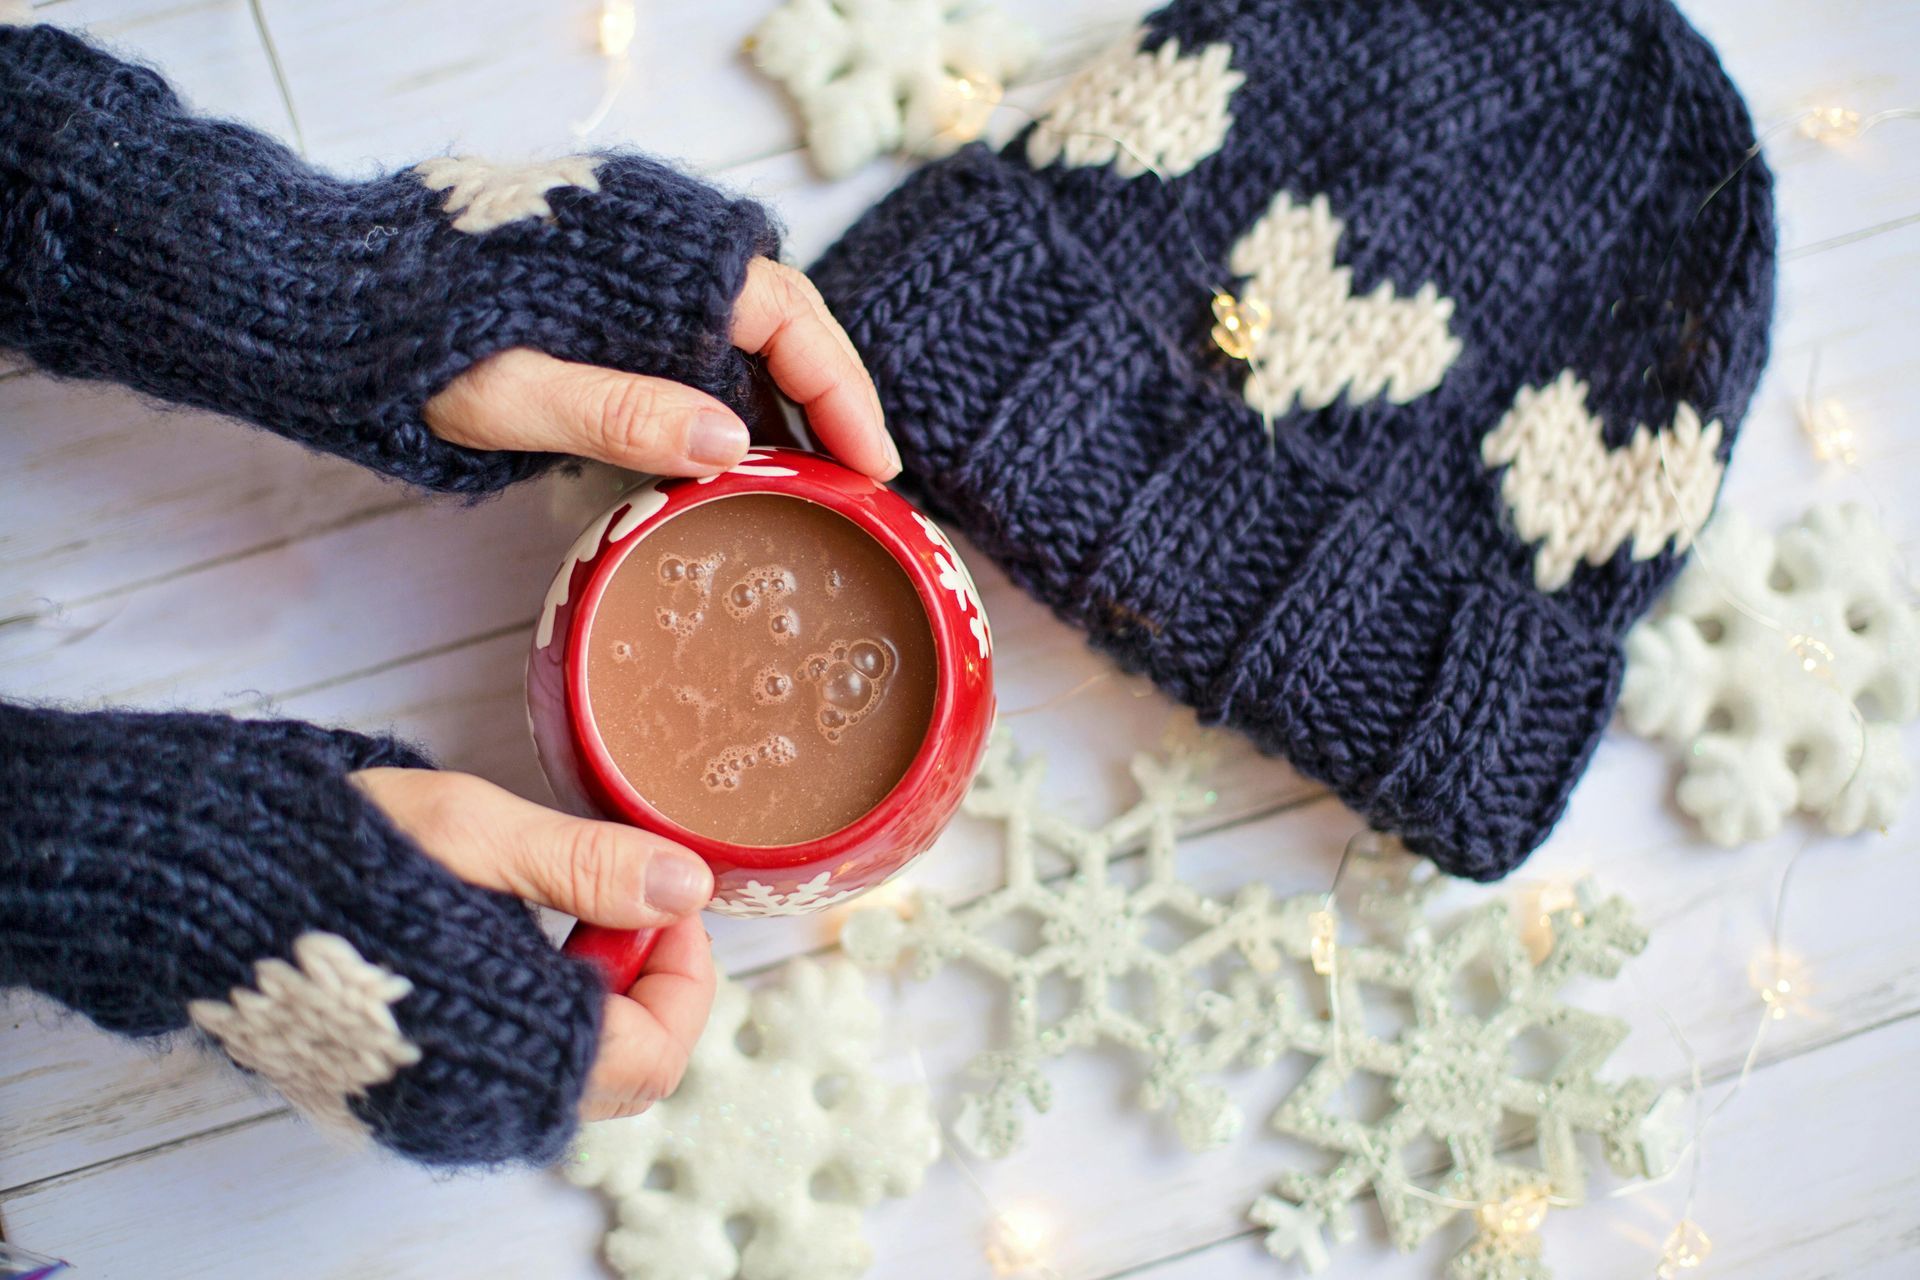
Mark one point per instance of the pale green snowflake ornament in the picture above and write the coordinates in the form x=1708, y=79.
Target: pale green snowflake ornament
x=1248, y=980
x=1094, y=931
x=1451, y=1076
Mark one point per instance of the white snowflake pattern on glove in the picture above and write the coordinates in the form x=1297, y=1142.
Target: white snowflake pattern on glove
x=1781, y=666
x=482, y=195
x=873, y=76
x=797, y=1136
x=321, y=1033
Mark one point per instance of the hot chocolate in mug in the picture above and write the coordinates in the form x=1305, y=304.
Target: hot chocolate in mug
x=783, y=667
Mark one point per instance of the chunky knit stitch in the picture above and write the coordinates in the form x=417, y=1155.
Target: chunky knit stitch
x=1508, y=271
x=150, y=861
x=202, y=263
x=162, y=869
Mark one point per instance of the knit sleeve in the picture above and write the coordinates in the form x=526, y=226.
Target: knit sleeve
x=202, y=263
x=161, y=871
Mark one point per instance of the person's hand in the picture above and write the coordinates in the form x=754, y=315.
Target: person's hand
x=602, y=872
x=522, y=399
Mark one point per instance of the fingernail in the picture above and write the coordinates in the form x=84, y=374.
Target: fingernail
x=678, y=883
x=717, y=440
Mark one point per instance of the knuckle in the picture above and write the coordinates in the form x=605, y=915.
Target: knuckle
x=625, y=415
x=599, y=869
x=659, y=1075
x=793, y=293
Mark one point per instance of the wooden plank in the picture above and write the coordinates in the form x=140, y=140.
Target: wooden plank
x=498, y=77
x=208, y=49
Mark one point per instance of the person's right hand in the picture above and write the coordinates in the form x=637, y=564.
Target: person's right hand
x=524, y=399
x=603, y=872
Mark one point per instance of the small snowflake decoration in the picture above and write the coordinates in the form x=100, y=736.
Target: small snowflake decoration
x=756, y=899
x=1782, y=665
x=321, y=1031
x=873, y=76
x=955, y=577
x=795, y=1136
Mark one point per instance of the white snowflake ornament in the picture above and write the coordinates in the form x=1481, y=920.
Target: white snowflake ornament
x=873, y=76
x=780, y=1126
x=1782, y=665
x=321, y=1031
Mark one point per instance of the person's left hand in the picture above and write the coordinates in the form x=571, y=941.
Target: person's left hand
x=523, y=399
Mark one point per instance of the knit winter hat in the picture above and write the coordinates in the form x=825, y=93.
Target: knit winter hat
x=1517, y=265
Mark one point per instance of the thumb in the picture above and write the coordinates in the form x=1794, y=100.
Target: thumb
x=530, y=401
x=602, y=872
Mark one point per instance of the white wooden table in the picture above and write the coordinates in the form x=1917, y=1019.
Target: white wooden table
x=173, y=559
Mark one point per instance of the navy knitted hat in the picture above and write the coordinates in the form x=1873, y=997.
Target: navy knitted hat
x=1504, y=271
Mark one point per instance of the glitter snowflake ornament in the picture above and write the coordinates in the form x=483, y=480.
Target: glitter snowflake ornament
x=873, y=76
x=780, y=1125
x=1097, y=934
x=1457, y=1078
x=1782, y=665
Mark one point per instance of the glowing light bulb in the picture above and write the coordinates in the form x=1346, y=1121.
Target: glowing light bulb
x=1320, y=948
x=618, y=22
x=966, y=104
x=1686, y=1248
x=1240, y=324
x=1814, y=654
x=1780, y=979
x=1830, y=427
x=1520, y=1214
x=1830, y=124
x=1019, y=1241
x=1535, y=910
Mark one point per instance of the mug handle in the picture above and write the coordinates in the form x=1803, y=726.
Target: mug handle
x=620, y=953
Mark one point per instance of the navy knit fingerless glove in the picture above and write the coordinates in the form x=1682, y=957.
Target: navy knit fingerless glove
x=202, y=263
x=162, y=870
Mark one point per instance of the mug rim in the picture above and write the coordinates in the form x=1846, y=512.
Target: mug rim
x=632, y=807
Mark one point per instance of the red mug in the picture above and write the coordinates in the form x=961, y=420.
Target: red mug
x=783, y=879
